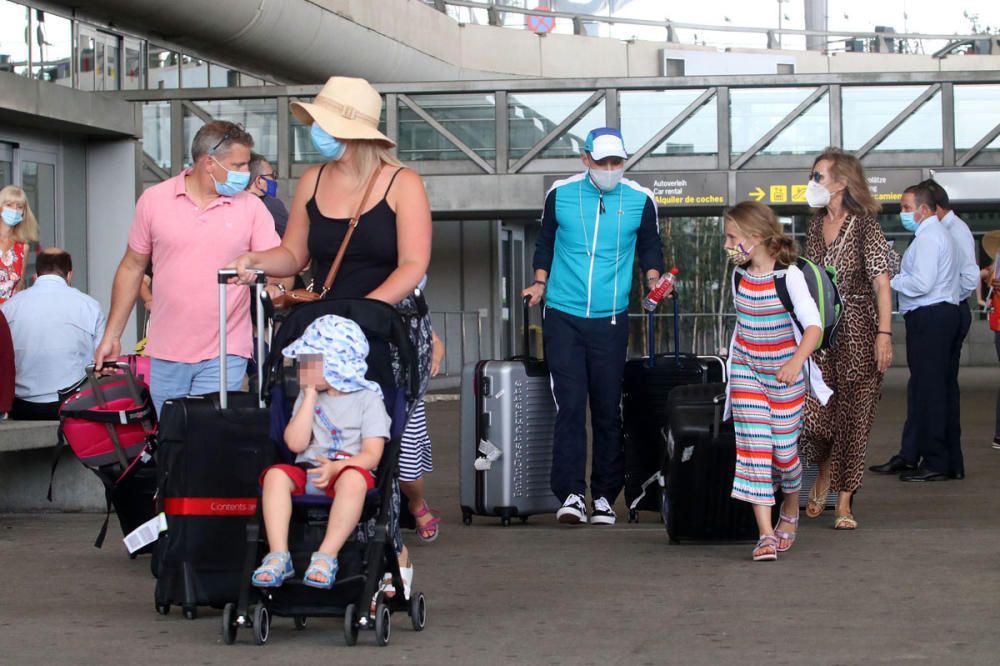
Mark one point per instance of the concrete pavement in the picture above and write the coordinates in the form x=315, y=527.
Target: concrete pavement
x=917, y=583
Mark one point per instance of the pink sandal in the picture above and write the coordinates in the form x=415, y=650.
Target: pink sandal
x=427, y=532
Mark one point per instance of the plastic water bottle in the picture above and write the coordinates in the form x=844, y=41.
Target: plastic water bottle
x=657, y=293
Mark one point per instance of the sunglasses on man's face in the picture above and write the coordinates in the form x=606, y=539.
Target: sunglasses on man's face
x=235, y=131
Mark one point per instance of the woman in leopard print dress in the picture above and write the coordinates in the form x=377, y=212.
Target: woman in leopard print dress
x=846, y=235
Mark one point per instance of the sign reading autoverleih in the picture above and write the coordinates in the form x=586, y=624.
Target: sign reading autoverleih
x=678, y=190
x=788, y=188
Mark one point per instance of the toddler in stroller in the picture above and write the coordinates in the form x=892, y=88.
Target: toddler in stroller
x=356, y=367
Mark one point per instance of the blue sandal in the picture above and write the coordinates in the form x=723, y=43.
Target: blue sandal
x=277, y=565
x=329, y=571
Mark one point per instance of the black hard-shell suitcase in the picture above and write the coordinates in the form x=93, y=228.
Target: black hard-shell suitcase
x=508, y=418
x=647, y=384
x=212, y=451
x=698, y=470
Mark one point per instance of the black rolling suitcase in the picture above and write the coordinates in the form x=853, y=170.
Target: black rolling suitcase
x=212, y=451
x=699, y=468
x=647, y=384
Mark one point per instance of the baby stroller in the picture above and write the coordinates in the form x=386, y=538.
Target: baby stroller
x=370, y=554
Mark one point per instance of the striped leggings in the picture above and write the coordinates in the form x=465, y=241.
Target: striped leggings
x=768, y=417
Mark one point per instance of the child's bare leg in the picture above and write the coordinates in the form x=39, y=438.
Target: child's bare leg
x=762, y=513
x=345, y=512
x=277, y=499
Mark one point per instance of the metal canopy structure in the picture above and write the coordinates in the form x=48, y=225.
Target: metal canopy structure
x=489, y=147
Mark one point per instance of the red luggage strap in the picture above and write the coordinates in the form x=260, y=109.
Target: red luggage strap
x=210, y=506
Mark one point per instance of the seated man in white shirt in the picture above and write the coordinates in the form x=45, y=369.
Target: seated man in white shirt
x=55, y=329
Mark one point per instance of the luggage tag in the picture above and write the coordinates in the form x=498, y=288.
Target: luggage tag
x=146, y=533
x=490, y=455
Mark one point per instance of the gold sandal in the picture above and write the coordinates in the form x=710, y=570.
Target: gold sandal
x=845, y=522
x=816, y=504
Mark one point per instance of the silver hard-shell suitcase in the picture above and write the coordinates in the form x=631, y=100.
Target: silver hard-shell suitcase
x=505, y=452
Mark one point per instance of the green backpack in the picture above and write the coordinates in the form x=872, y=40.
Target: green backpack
x=822, y=284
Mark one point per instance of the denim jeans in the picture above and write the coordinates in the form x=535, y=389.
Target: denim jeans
x=174, y=379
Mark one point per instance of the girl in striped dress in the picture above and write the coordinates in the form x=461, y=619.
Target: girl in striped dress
x=767, y=389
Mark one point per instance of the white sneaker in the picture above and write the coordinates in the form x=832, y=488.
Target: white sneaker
x=573, y=510
x=602, y=514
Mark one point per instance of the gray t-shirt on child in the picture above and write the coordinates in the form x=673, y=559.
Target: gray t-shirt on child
x=341, y=422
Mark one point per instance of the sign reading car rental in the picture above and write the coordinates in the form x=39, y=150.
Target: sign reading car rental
x=697, y=189
x=788, y=188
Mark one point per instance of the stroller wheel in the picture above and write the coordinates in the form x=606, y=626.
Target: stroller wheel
x=382, y=624
x=300, y=622
x=229, y=627
x=418, y=611
x=261, y=624
x=351, y=624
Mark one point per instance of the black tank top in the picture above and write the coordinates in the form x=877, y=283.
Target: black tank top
x=371, y=255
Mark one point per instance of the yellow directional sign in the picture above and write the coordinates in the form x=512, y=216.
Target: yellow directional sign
x=757, y=194
x=779, y=194
x=798, y=193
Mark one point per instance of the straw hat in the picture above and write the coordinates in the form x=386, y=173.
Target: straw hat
x=991, y=243
x=347, y=108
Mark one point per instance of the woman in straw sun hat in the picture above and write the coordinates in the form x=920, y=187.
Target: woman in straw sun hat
x=989, y=276
x=390, y=248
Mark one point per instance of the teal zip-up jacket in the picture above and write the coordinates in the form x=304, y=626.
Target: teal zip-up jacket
x=588, y=241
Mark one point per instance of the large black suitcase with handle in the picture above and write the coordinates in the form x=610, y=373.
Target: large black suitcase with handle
x=698, y=470
x=647, y=384
x=212, y=451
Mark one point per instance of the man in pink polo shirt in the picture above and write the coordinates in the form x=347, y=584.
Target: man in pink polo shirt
x=191, y=225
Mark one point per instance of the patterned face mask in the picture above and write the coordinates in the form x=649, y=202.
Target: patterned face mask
x=739, y=255
x=344, y=348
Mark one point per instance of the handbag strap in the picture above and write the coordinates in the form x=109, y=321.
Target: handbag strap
x=351, y=226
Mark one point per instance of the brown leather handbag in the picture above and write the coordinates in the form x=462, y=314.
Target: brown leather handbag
x=288, y=299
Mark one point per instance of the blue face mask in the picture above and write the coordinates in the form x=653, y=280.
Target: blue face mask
x=326, y=145
x=236, y=182
x=272, y=187
x=909, y=223
x=12, y=217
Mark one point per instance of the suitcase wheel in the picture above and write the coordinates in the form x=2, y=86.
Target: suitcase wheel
x=633, y=516
x=163, y=609
x=524, y=519
x=505, y=521
x=466, y=518
x=190, y=612
x=300, y=622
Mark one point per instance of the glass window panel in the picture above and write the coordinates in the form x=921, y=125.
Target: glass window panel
x=52, y=48
x=98, y=64
x=6, y=173
x=867, y=109
x=250, y=81
x=921, y=131
x=258, y=116
x=222, y=77
x=645, y=112
x=977, y=111
x=111, y=71
x=699, y=135
x=533, y=115
x=194, y=72
x=38, y=180
x=132, y=71
x=156, y=132
x=163, y=69
x=471, y=118
x=754, y=111
x=806, y=135
x=85, y=61
x=13, y=46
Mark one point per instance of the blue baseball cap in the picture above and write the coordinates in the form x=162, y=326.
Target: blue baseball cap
x=605, y=142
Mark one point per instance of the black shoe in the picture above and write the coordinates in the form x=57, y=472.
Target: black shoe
x=895, y=465
x=922, y=474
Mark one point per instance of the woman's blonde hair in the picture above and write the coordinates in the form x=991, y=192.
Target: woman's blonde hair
x=26, y=231
x=858, y=199
x=368, y=153
x=756, y=219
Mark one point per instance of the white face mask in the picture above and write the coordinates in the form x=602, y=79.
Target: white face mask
x=817, y=196
x=606, y=180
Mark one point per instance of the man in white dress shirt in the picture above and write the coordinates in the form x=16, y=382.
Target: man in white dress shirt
x=929, y=290
x=55, y=329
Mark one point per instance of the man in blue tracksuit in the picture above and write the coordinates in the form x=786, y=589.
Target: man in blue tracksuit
x=593, y=225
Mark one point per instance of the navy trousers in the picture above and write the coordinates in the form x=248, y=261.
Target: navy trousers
x=930, y=342
x=586, y=359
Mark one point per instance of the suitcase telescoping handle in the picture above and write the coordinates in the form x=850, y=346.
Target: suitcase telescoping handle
x=651, y=340
x=525, y=334
x=257, y=290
